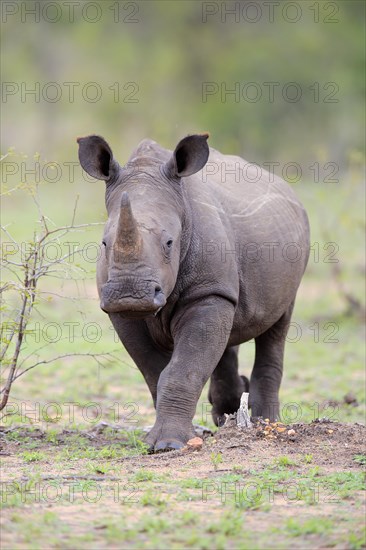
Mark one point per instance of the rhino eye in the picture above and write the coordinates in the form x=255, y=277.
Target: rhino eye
x=166, y=245
x=104, y=243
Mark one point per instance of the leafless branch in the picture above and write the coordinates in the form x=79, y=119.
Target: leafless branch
x=28, y=265
x=95, y=356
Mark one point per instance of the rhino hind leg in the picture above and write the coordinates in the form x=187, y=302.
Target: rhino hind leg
x=226, y=386
x=267, y=371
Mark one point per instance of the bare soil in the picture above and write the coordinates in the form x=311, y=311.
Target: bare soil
x=181, y=482
x=331, y=444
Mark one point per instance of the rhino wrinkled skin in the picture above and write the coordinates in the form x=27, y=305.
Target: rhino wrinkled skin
x=201, y=252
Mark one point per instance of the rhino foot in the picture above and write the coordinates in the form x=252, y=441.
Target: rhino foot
x=160, y=443
x=165, y=445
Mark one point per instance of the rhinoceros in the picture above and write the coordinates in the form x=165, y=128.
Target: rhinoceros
x=201, y=252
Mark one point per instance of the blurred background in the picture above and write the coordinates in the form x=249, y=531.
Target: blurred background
x=150, y=62
x=278, y=83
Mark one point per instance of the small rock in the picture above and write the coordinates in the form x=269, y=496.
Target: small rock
x=202, y=431
x=291, y=432
x=194, y=444
x=350, y=399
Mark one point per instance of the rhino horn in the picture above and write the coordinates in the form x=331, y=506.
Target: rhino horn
x=128, y=239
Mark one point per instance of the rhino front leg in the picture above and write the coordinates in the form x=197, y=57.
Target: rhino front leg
x=140, y=346
x=197, y=350
x=267, y=371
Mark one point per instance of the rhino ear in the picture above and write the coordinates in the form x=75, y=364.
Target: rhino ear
x=190, y=156
x=96, y=157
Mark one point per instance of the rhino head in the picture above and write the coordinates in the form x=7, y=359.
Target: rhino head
x=146, y=235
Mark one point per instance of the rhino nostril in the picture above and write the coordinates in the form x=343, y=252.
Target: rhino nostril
x=159, y=298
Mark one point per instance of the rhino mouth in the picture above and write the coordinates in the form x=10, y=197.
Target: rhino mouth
x=135, y=314
x=117, y=298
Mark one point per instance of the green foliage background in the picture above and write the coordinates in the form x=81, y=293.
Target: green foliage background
x=169, y=52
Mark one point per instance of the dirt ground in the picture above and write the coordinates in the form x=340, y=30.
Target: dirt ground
x=331, y=444
x=282, y=486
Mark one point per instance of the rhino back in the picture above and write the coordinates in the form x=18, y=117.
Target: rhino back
x=245, y=181
x=257, y=227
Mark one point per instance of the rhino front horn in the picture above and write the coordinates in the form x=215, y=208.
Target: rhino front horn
x=128, y=240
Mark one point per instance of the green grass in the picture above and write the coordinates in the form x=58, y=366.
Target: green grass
x=146, y=475
x=216, y=460
x=284, y=461
x=356, y=541
x=34, y=456
x=151, y=498
x=312, y=526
